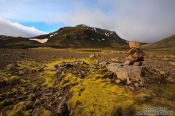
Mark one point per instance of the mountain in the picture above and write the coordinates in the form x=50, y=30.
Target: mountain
x=168, y=42
x=80, y=36
x=83, y=36
x=16, y=42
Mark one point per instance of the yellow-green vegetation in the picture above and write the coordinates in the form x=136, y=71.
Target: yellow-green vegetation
x=7, y=101
x=50, y=79
x=19, y=110
x=69, y=80
x=60, y=60
x=7, y=78
x=29, y=66
x=166, y=91
x=94, y=93
x=43, y=112
x=96, y=96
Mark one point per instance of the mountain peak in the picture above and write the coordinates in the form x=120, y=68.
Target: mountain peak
x=82, y=25
x=84, y=36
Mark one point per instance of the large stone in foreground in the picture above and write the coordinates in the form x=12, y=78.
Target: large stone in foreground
x=134, y=75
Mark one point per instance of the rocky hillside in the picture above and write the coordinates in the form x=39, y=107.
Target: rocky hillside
x=168, y=42
x=80, y=36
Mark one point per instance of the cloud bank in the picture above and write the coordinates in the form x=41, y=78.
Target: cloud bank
x=15, y=29
x=143, y=20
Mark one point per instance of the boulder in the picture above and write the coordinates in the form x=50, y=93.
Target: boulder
x=136, y=76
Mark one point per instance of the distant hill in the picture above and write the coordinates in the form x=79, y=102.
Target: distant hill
x=16, y=42
x=168, y=42
x=80, y=36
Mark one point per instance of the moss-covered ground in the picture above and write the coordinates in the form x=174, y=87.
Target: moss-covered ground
x=40, y=88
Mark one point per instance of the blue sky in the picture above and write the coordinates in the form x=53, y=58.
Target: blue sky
x=143, y=20
x=44, y=26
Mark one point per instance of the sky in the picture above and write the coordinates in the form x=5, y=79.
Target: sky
x=142, y=20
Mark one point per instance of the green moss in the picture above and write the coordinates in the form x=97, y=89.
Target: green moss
x=7, y=76
x=98, y=97
x=31, y=96
x=50, y=79
x=7, y=101
x=25, y=82
x=166, y=91
x=93, y=95
x=35, y=85
x=69, y=79
x=12, y=79
x=47, y=113
x=86, y=60
x=19, y=110
x=8, y=79
x=29, y=67
x=41, y=111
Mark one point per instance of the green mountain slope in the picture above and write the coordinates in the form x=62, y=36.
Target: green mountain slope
x=168, y=42
x=83, y=36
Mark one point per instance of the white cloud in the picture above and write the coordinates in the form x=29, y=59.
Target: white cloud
x=143, y=20
x=15, y=29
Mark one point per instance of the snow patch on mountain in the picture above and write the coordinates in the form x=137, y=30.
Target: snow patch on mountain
x=95, y=29
x=50, y=35
x=40, y=40
x=53, y=34
x=107, y=34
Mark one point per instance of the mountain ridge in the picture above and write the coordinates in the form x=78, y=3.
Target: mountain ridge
x=74, y=37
